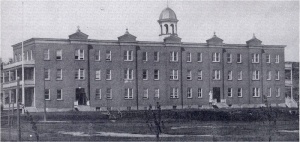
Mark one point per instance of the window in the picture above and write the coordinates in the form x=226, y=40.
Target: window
x=128, y=74
x=156, y=56
x=98, y=75
x=108, y=55
x=174, y=75
x=268, y=58
x=240, y=75
x=256, y=92
x=255, y=75
x=189, y=75
x=156, y=93
x=216, y=57
x=269, y=92
x=199, y=75
x=145, y=94
x=229, y=58
x=79, y=74
x=128, y=93
x=97, y=55
x=145, y=74
x=59, y=74
x=189, y=93
x=27, y=56
x=156, y=74
x=47, y=74
x=108, y=74
x=199, y=92
x=79, y=54
x=240, y=92
x=277, y=59
x=174, y=93
x=47, y=94
x=98, y=94
x=269, y=77
x=255, y=58
x=59, y=94
x=188, y=57
x=239, y=58
x=216, y=74
x=20, y=57
x=173, y=56
x=31, y=55
x=59, y=54
x=108, y=93
x=46, y=54
x=128, y=55
x=229, y=92
x=199, y=57
x=145, y=56
x=277, y=92
x=277, y=75
x=229, y=77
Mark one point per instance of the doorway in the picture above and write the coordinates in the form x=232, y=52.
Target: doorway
x=80, y=96
x=217, y=94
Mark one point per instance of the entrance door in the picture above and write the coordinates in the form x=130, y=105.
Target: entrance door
x=216, y=93
x=80, y=96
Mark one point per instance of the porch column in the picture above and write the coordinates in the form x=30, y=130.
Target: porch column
x=9, y=76
x=16, y=74
x=292, y=82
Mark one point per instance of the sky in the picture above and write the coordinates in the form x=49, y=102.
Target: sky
x=273, y=22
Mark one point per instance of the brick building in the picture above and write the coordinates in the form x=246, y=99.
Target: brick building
x=130, y=74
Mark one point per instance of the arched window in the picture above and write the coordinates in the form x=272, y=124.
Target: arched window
x=172, y=28
x=161, y=30
x=167, y=30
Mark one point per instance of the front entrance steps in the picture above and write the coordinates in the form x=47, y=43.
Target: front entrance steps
x=220, y=105
x=291, y=103
x=83, y=108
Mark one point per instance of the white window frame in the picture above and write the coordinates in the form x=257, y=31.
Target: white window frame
x=239, y=58
x=255, y=75
x=188, y=57
x=27, y=55
x=79, y=54
x=255, y=58
x=199, y=77
x=156, y=93
x=240, y=75
x=174, y=93
x=269, y=75
x=255, y=92
x=46, y=54
x=268, y=58
x=229, y=92
x=108, y=55
x=59, y=72
x=108, y=93
x=199, y=57
x=81, y=74
x=216, y=57
x=189, y=75
x=199, y=92
x=145, y=74
x=174, y=75
x=128, y=93
x=229, y=77
x=277, y=75
x=240, y=92
x=277, y=60
x=59, y=54
x=156, y=56
x=61, y=94
x=189, y=93
x=145, y=94
x=128, y=74
x=98, y=93
x=98, y=75
x=108, y=74
x=47, y=71
x=229, y=58
x=174, y=56
x=48, y=94
x=156, y=74
x=278, y=93
x=216, y=75
x=98, y=55
x=145, y=56
x=269, y=92
x=128, y=55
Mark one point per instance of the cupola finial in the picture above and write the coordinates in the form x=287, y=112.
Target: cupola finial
x=254, y=35
x=214, y=34
x=126, y=31
x=78, y=29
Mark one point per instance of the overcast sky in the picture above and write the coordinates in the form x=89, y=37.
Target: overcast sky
x=273, y=22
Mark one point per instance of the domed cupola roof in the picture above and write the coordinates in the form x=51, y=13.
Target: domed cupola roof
x=168, y=15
